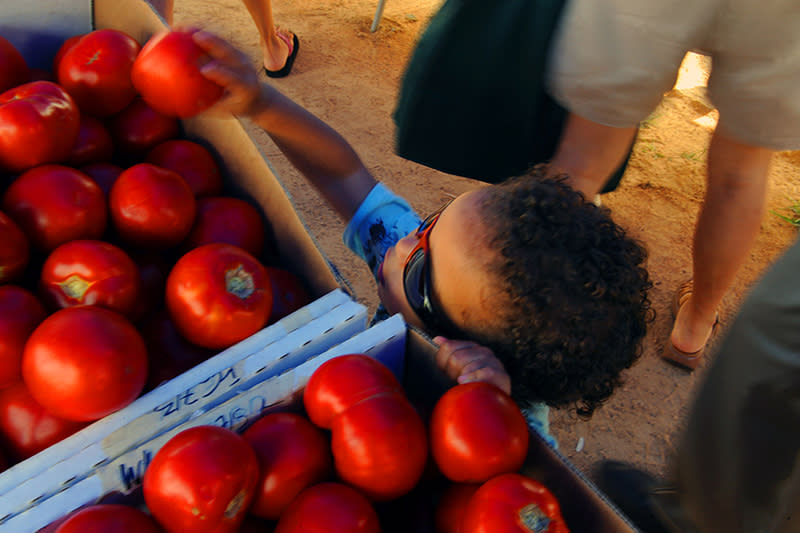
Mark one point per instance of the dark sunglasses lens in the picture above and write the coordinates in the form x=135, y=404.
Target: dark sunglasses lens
x=414, y=279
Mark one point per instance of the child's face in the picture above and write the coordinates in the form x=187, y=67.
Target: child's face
x=459, y=287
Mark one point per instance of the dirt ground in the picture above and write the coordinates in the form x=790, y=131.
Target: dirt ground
x=349, y=77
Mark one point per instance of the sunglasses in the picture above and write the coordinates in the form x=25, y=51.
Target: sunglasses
x=417, y=280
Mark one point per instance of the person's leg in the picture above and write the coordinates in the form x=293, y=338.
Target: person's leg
x=163, y=8
x=726, y=227
x=274, y=49
x=589, y=153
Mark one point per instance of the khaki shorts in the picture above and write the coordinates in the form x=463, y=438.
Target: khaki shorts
x=612, y=61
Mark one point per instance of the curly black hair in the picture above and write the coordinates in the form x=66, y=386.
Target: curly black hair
x=578, y=306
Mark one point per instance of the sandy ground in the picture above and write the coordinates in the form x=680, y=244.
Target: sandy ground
x=349, y=77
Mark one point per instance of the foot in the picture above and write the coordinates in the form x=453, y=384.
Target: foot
x=691, y=330
x=277, y=51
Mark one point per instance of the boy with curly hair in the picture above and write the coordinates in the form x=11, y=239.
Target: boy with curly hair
x=525, y=284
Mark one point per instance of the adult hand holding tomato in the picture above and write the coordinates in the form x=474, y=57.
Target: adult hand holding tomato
x=218, y=295
x=202, y=480
x=96, y=71
x=167, y=75
x=513, y=503
x=40, y=124
x=477, y=432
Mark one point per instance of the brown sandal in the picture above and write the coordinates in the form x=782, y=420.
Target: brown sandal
x=689, y=360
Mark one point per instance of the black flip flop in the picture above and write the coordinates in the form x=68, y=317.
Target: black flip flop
x=287, y=68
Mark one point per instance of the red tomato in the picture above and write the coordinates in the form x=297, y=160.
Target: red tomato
x=109, y=518
x=288, y=293
x=138, y=128
x=451, y=506
x=218, y=295
x=20, y=313
x=96, y=71
x=83, y=363
x=202, y=480
x=329, y=508
x=14, y=250
x=103, y=174
x=151, y=207
x=513, y=503
x=477, y=432
x=343, y=381
x=191, y=160
x=28, y=428
x=293, y=454
x=13, y=68
x=169, y=353
x=90, y=272
x=93, y=145
x=40, y=125
x=379, y=446
x=65, y=46
x=167, y=75
x=54, y=204
x=228, y=220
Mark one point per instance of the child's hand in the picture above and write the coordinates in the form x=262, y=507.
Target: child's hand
x=466, y=361
x=232, y=69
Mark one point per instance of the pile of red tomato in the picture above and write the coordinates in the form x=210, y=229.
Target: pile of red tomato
x=357, y=458
x=122, y=261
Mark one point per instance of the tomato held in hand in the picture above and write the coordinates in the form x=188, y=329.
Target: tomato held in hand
x=477, y=432
x=202, y=480
x=513, y=503
x=293, y=454
x=151, y=207
x=218, y=295
x=90, y=272
x=54, y=204
x=228, y=220
x=14, y=250
x=101, y=352
x=379, y=446
x=13, y=68
x=329, y=508
x=343, y=381
x=167, y=75
x=96, y=71
x=40, y=125
x=20, y=313
x=26, y=428
x=193, y=162
x=108, y=518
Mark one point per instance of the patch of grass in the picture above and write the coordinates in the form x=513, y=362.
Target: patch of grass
x=694, y=156
x=648, y=122
x=793, y=216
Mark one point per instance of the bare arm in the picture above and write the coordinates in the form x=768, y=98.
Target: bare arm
x=324, y=157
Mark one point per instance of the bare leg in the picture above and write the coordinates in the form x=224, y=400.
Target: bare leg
x=589, y=152
x=163, y=8
x=273, y=48
x=728, y=224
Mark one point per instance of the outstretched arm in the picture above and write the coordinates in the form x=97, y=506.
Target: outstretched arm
x=323, y=156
